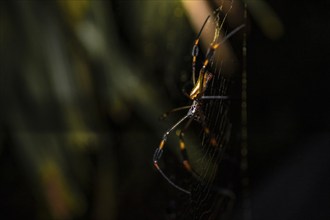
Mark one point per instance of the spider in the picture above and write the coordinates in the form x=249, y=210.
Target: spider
x=195, y=112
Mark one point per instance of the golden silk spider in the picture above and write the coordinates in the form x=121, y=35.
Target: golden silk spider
x=195, y=111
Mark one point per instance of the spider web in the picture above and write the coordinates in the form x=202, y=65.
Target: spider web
x=212, y=193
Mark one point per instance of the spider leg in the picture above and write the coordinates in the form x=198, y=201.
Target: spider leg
x=210, y=53
x=185, y=161
x=202, y=72
x=215, y=97
x=232, y=33
x=214, y=46
x=185, y=90
x=195, y=52
x=166, y=114
x=207, y=131
x=159, y=151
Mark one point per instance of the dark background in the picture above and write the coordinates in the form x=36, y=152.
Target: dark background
x=82, y=85
x=290, y=136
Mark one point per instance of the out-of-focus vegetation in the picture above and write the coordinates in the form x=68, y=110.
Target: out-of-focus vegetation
x=80, y=101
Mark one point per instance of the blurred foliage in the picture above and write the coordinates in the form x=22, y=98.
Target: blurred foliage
x=81, y=91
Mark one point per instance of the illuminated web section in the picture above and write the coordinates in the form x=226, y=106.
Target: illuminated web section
x=211, y=195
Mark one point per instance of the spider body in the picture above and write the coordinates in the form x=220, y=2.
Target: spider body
x=201, y=85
